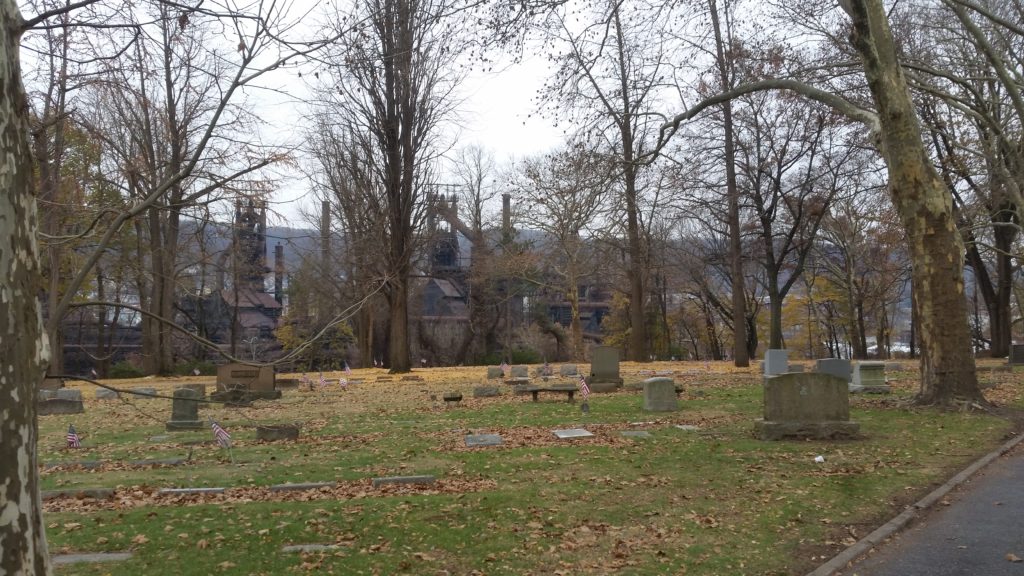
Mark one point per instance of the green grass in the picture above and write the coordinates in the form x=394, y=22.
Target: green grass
x=715, y=501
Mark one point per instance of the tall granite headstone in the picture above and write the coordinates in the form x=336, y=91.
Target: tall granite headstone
x=604, y=369
x=1016, y=354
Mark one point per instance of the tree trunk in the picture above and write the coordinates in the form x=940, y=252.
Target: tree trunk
x=398, y=335
x=925, y=209
x=24, y=349
x=740, y=351
x=774, y=316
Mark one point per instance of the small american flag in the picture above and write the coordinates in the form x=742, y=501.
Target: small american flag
x=220, y=434
x=584, y=389
x=343, y=383
x=348, y=371
x=504, y=368
x=323, y=381
x=73, y=440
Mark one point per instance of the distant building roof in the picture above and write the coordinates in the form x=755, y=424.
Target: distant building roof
x=249, y=298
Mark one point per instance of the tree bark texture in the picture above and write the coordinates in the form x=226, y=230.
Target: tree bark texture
x=24, y=348
x=925, y=209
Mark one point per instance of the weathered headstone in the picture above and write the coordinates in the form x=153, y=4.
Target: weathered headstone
x=520, y=371
x=835, y=366
x=479, y=440
x=808, y=405
x=869, y=377
x=660, y=395
x=486, y=392
x=567, y=370
x=517, y=381
x=59, y=406
x=776, y=362
x=185, y=411
x=604, y=369
x=494, y=372
x=277, y=432
x=69, y=394
x=44, y=394
x=257, y=380
x=143, y=393
x=424, y=479
x=451, y=398
x=572, y=433
x=1016, y=354
x=105, y=394
x=51, y=384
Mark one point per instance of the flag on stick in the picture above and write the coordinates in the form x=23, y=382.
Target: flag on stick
x=220, y=434
x=343, y=383
x=584, y=389
x=74, y=441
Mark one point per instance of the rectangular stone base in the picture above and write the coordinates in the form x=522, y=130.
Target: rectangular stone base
x=185, y=425
x=816, y=430
x=605, y=385
x=870, y=389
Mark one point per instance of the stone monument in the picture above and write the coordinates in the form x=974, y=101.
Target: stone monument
x=869, y=377
x=660, y=395
x=604, y=369
x=185, y=411
x=257, y=381
x=806, y=405
x=835, y=366
x=1016, y=354
x=776, y=362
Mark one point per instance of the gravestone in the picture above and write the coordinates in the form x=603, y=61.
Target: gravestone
x=808, y=405
x=69, y=394
x=486, y=392
x=104, y=394
x=835, y=366
x=567, y=370
x=572, y=433
x=59, y=406
x=1016, y=354
x=143, y=393
x=604, y=369
x=44, y=394
x=185, y=411
x=776, y=362
x=520, y=371
x=494, y=372
x=278, y=432
x=869, y=377
x=478, y=440
x=451, y=398
x=257, y=380
x=660, y=395
x=51, y=384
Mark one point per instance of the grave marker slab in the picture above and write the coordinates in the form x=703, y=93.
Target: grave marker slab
x=808, y=405
x=1016, y=354
x=104, y=394
x=839, y=367
x=568, y=370
x=69, y=394
x=520, y=371
x=494, y=372
x=51, y=384
x=258, y=379
x=310, y=548
x=776, y=362
x=185, y=411
x=179, y=491
x=302, y=486
x=869, y=377
x=479, y=440
x=59, y=406
x=660, y=395
x=97, y=493
x=89, y=558
x=486, y=392
x=688, y=427
x=572, y=433
x=604, y=369
x=402, y=480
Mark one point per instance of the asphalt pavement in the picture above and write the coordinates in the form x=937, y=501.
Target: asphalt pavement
x=977, y=529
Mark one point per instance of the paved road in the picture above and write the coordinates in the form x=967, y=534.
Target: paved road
x=973, y=536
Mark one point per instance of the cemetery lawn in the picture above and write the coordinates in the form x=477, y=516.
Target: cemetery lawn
x=710, y=500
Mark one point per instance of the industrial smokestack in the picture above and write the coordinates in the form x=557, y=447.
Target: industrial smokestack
x=506, y=216
x=279, y=273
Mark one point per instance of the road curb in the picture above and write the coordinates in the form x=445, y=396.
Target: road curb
x=839, y=561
